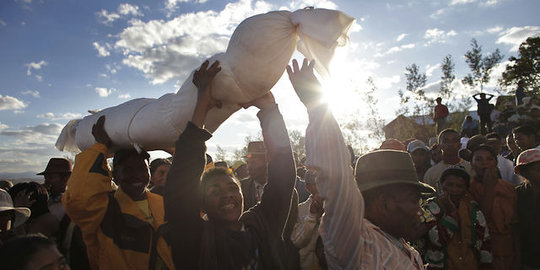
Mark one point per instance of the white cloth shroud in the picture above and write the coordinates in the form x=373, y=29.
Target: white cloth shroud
x=257, y=54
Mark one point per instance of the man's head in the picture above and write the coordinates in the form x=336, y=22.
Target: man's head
x=159, y=168
x=528, y=165
x=438, y=100
x=56, y=175
x=450, y=142
x=511, y=143
x=256, y=161
x=31, y=252
x=525, y=137
x=240, y=170
x=10, y=217
x=391, y=190
x=436, y=153
x=482, y=95
x=483, y=158
x=455, y=182
x=420, y=153
x=130, y=171
x=222, y=199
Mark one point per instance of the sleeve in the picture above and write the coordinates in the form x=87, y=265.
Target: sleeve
x=277, y=200
x=304, y=229
x=86, y=195
x=182, y=199
x=342, y=222
x=442, y=228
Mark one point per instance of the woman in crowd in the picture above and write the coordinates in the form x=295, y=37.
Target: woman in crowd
x=458, y=237
x=159, y=168
x=497, y=199
x=32, y=252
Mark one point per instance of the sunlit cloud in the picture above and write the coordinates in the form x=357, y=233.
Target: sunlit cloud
x=400, y=37
x=395, y=49
x=430, y=69
x=104, y=92
x=123, y=10
x=11, y=103
x=102, y=50
x=461, y=2
x=35, y=65
x=124, y=96
x=2, y=22
x=31, y=93
x=436, y=35
x=516, y=35
x=172, y=5
x=52, y=116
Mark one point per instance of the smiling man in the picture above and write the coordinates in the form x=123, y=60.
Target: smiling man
x=122, y=228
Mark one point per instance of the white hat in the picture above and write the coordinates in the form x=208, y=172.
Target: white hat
x=6, y=204
x=415, y=145
x=526, y=157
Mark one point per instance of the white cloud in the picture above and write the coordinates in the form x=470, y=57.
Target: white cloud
x=395, y=49
x=53, y=116
x=461, y=2
x=39, y=78
x=33, y=65
x=400, y=37
x=104, y=92
x=31, y=92
x=124, y=96
x=3, y=126
x=163, y=50
x=2, y=22
x=11, y=103
x=430, y=69
x=437, y=13
x=495, y=29
x=172, y=5
x=516, y=35
x=40, y=134
x=102, y=50
x=312, y=3
x=436, y=35
x=123, y=10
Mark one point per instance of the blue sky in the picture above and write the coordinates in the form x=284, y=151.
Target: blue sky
x=61, y=58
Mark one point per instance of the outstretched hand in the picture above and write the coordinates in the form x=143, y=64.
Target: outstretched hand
x=202, y=78
x=100, y=135
x=305, y=83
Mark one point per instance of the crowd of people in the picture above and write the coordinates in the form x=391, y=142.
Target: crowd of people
x=457, y=204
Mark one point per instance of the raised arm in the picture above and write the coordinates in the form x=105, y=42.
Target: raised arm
x=327, y=153
x=278, y=192
x=181, y=198
x=86, y=195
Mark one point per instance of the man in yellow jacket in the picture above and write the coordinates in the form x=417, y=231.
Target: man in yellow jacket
x=122, y=228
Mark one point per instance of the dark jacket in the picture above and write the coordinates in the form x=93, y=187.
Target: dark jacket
x=197, y=244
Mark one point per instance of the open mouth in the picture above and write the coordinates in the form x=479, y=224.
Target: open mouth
x=228, y=206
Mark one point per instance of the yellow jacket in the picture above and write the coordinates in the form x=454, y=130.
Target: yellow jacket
x=114, y=229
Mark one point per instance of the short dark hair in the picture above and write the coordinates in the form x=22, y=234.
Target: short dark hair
x=459, y=172
x=445, y=131
x=121, y=155
x=158, y=162
x=484, y=147
x=493, y=135
x=525, y=129
x=17, y=252
x=212, y=173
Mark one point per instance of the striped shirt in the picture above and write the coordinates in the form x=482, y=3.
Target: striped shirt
x=350, y=240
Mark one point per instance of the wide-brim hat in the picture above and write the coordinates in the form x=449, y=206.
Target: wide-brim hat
x=6, y=204
x=527, y=157
x=256, y=148
x=387, y=167
x=57, y=165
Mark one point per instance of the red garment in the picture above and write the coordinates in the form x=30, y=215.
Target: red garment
x=441, y=111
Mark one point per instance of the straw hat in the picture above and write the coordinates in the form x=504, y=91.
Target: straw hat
x=6, y=204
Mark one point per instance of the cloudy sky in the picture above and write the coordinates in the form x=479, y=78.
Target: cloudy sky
x=61, y=58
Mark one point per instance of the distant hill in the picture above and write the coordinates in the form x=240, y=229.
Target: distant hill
x=22, y=177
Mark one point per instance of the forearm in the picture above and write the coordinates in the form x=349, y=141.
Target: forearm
x=344, y=207
x=181, y=198
x=85, y=198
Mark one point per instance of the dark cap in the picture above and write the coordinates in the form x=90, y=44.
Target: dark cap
x=57, y=165
x=387, y=167
x=256, y=148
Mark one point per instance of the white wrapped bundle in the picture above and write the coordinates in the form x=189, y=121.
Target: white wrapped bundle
x=258, y=52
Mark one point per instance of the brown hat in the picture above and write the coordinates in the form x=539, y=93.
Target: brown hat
x=256, y=148
x=387, y=167
x=57, y=165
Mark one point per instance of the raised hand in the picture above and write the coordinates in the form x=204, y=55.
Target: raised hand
x=100, y=135
x=202, y=78
x=305, y=83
